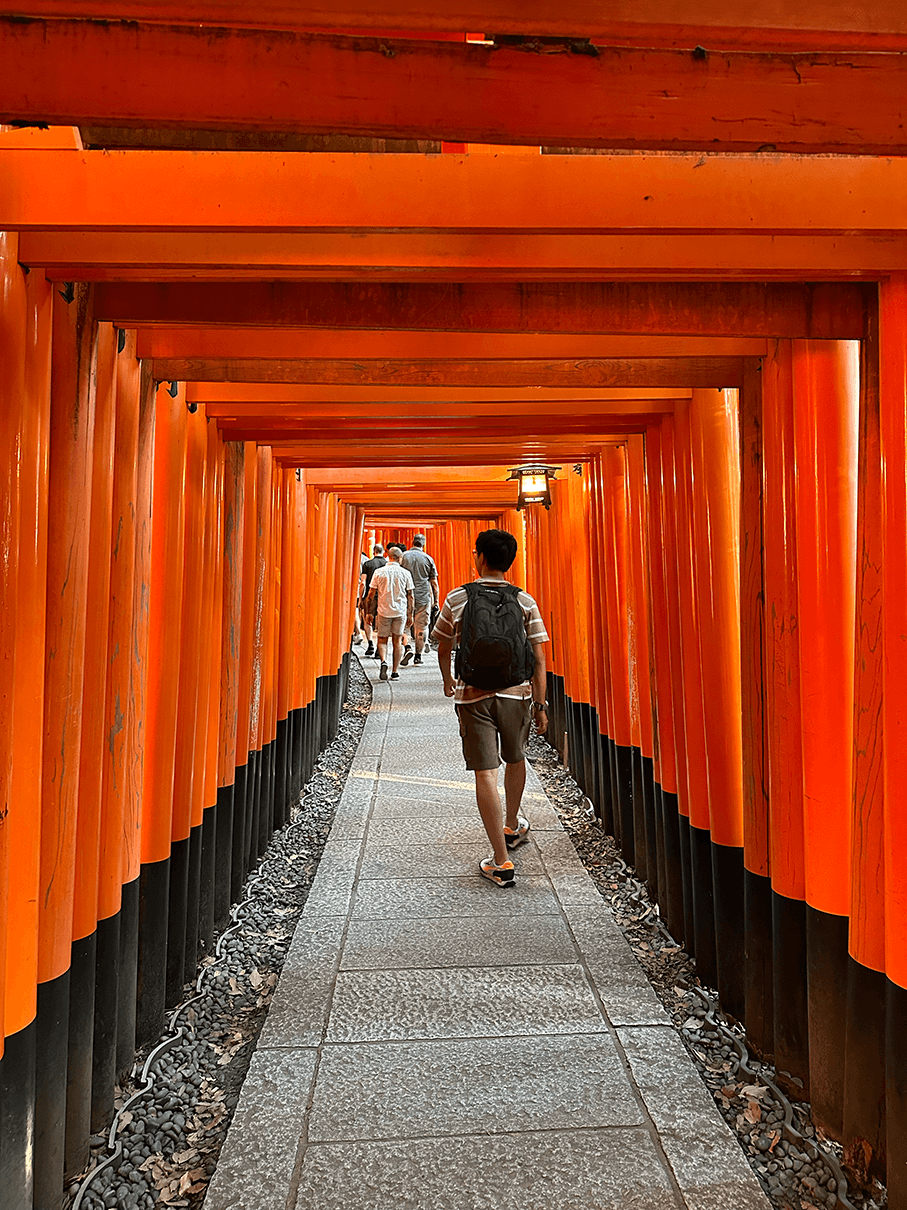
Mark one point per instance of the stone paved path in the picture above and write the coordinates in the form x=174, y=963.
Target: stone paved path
x=438, y=1042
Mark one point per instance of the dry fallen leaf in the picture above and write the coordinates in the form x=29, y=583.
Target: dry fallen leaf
x=753, y=1112
x=256, y=979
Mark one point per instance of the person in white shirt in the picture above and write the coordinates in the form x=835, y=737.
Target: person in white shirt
x=395, y=594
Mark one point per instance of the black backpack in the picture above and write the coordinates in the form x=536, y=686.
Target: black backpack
x=494, y=650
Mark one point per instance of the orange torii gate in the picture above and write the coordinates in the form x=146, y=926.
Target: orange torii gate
x=717, y=342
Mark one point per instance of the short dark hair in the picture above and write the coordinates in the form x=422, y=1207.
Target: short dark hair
x=498, y=546
x=397, y=545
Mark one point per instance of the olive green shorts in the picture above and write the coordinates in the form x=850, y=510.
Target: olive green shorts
x=494, y=729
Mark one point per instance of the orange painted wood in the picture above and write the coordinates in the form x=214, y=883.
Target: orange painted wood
x=690, y=604
x=176, y=75
x=826, y=417
x=25, y=787
x=614, y=468
x=893, y=430
x=232, y=398
x=784, y=749
x=441, y=350
x=120, y=816
x=866, y=938
x=165, y=617
x=13, y=400
x=117, y=255
x=88, y=855
x=263, y=192
x=614, y=372
x=818, y=311
x=753, y=626
x=190, y=739
x=659, y=670
x=71, y=433
x=716, y=534
x=639, y=593
x=244, y=732
x=213, y=607
x=232, y=560
x=811, y=23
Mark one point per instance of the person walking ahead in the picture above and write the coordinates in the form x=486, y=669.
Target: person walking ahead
x=393, y=589
x=369, y=567
x=421, y=567
x=501, y=684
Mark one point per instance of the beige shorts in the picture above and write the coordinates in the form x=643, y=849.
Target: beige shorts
x=494, y=729
x=420, y=617
x=389, y=625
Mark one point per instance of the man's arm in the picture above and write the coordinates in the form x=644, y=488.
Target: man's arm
x=445, y=648
x=540, y=687
x=409, y=606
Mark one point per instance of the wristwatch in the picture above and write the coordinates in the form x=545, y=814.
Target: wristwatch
x=537, y=706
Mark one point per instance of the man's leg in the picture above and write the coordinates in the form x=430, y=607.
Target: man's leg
x=489, y=803
x=514, y=784
x=397, y=640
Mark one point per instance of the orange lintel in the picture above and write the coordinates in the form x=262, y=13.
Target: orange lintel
x=546, y=405
x=818, y=311
x=231, y=393
x=243, y=79
x=516, y=451
x=338, y=480
x=224, y=191
x=428, y=348
x=428, y=375
x=442, y=435
x=870, y=24
x=450, y=256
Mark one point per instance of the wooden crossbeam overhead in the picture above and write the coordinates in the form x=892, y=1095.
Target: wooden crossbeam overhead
x=640, y=372
x=444, y=433
x=264, y=193
x=434, y=413
x=425, y=348
x=823, y=311
x=863, y=23
x=108, y=73
x=304, y=397
x=391, y=256
x=379, y=479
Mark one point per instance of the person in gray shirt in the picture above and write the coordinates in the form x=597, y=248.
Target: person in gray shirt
x=425, y=578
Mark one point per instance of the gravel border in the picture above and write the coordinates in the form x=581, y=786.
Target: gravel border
x=171, y=1135
x=779, y=1139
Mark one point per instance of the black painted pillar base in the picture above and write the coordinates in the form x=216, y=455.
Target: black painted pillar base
x=79, y=1060
x=791, y=1021
x=106, y=998
x=896, y=1093
x=281, y=772
x=622, y=783
x=128, y=975
x=253, y=810
x=17, y=1119
x=605, y=804
x=177, y=911
x=865, y=1126
x=686, y=874
x=154, y=894
x=207, y=881
x=671, y=900
x=223, y=856
x=826, y=961
x=703, y=905
x=238, y=847
x=266, y=803
x=52, y=1042
x=758, y=965
x=638, y=800
x=193, y=906
x=727, y=880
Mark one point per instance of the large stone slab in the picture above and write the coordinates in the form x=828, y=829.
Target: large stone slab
x=474, y=896
x=255, y=1170
x=464, y=1002
x=484, y=1085
x=617, y=1169
x=457, y=941
x=299, y=1010
x=710, y=1167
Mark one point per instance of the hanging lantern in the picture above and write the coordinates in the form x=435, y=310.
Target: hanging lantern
x=534, y=484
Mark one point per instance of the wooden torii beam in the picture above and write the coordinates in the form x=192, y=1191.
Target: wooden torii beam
x=870, y=24
x=807, y=310
x=305, y=193
x=110, y=73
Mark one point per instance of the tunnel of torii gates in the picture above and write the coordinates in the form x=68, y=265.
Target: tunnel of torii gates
x=259, y=311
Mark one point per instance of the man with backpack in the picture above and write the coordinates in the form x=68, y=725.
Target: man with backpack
x=500, y=687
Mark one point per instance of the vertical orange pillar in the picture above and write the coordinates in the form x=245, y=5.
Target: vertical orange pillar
x=88, y=824
x=826, y=416
x=715, y=495
x=165, y=609
x=232, y=759
x=71, y=432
